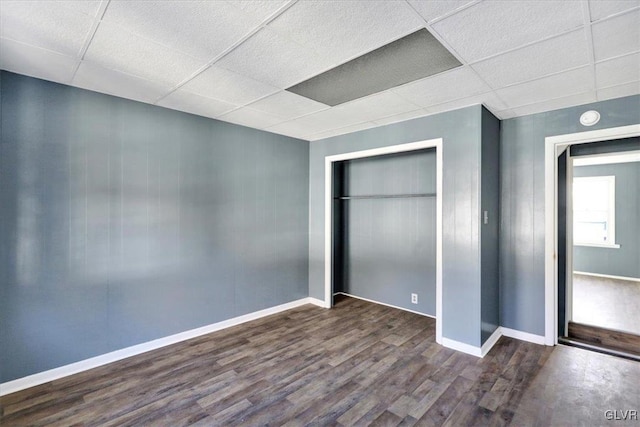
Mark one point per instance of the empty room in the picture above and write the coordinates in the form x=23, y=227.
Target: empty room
x=319, y=212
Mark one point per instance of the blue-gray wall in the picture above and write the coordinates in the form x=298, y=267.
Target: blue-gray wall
x=461, y=135
x=389, y=244
x=489, y=239
x=122, y=222
x=522, y=231
x=625, y=260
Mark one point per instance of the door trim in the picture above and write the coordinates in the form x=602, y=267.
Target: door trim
x=553, y=145
x=328, y=214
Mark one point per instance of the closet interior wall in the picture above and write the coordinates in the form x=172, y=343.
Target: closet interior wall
x=385, y=229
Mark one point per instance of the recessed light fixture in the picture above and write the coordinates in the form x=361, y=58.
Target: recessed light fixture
x=415, y=56
x=589, y=118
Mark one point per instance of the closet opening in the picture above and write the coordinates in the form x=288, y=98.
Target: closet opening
x=383, y=230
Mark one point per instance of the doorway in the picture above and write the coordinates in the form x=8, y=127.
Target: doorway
x=599, y=245
x=554, y=147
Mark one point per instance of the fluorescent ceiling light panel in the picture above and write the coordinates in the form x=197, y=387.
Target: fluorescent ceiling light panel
x=410, y=58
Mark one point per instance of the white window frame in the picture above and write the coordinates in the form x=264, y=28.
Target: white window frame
x=611, y=220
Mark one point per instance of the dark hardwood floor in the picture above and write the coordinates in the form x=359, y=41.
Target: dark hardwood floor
x=606, y=338
x=357, y=364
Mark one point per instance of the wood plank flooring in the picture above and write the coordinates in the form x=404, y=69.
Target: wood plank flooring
x=357, y=364
x=606, y=338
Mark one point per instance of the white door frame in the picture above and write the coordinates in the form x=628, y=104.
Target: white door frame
x=328, y=214
x=553, y=147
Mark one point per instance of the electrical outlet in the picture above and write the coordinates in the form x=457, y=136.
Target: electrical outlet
x=414, y=298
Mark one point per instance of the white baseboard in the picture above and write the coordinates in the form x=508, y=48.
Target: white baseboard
x=94, y=362
x=491, y=341
x=608, y=276
x=522, y=336
x=385, y=304
x=318, y=302
x=463, y=347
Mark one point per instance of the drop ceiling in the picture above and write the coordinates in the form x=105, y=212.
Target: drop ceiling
x=234, y=60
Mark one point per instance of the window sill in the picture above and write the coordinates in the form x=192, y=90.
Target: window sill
x=598, y=245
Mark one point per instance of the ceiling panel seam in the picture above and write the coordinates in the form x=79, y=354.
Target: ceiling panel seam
x=230, y=49
x=450, y=48
x=590, y=48
x=90, y=35
x=523, y=46
x=616, y=15
x=452, y=12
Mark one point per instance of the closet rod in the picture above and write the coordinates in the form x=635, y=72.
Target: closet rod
x=386, y=196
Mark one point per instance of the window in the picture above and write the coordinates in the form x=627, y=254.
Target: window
x=594, y=211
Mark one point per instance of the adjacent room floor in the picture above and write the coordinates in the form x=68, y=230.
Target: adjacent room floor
x=607, y=303
x=357, y=364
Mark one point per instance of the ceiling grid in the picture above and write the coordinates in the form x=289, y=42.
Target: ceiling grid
x=233, y=60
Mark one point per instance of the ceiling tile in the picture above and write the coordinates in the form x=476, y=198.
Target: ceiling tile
x=225, y=85
x=346, y=29
x=617, y=71
x=36, y=62
x=491, y=27
x=617, y=36
x=99, y=79
x=191, y=103
x=375, y=107
x=602, y=8
x=291, y=128
x=537, y=60
x=45, y=25
x=555, y=104
x=448, y=86
x=343, y=130
x=273, y=59
x=115, y=48
x=620, y=91
x=288, y=105
x=88, y=7
x=505, y=114
x=251, y=118
x=274, y=129
x=322, y=121
x=548, y=88
x=202, y=29
x=401, y=117
x=259, y=9
x=431, y=10
x=489, y=100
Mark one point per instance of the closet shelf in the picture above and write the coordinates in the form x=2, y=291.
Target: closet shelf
x=385, y=196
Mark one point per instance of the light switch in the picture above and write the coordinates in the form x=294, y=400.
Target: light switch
x=486, y=217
